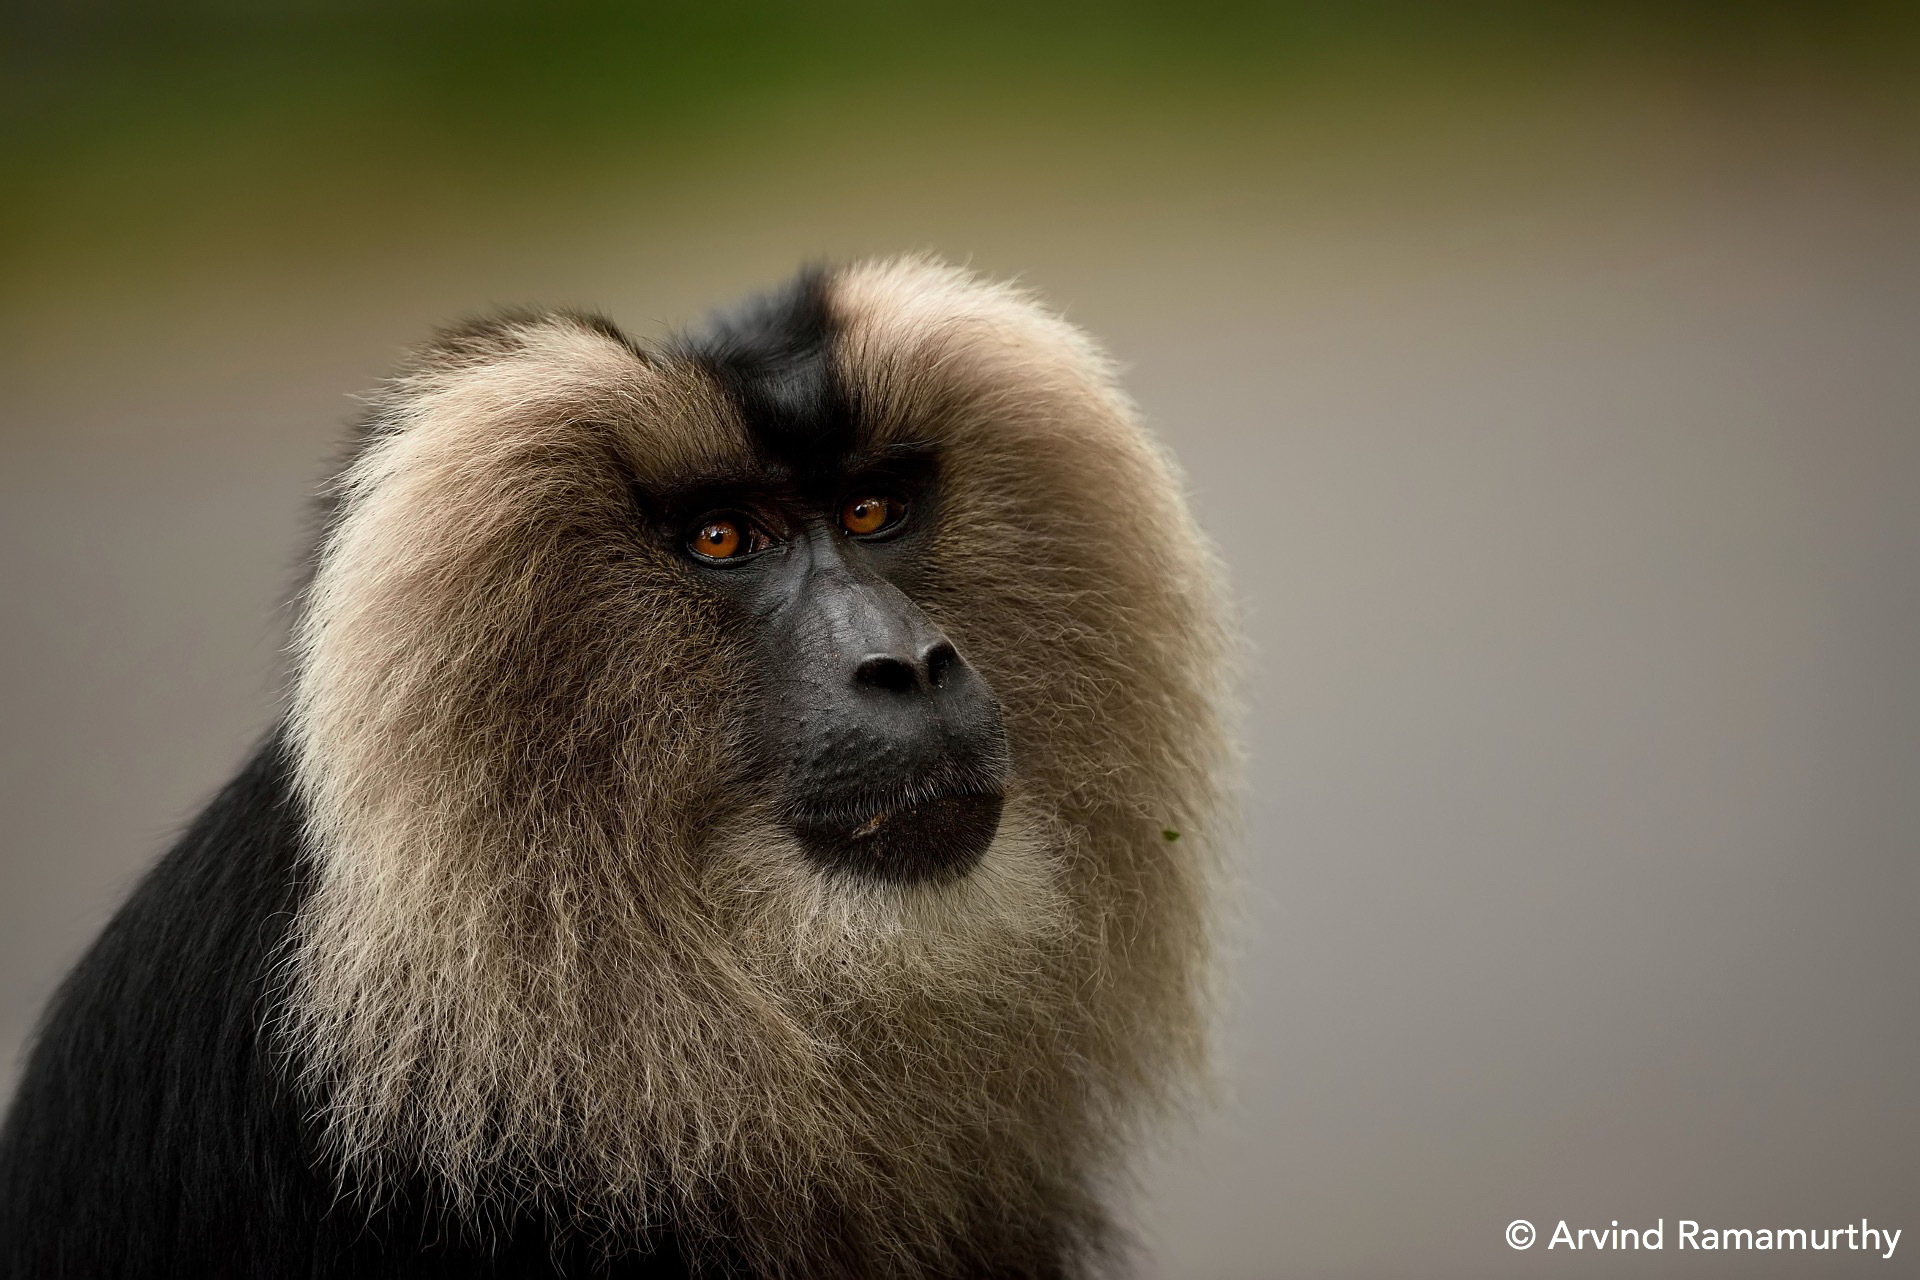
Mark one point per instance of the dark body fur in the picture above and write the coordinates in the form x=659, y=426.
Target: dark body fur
x=157, y=1132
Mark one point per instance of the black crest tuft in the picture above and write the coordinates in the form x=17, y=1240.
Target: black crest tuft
x=773, y=356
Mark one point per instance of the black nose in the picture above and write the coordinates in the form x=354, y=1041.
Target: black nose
x=893, y=673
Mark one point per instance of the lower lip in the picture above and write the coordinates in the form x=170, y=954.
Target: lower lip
x=939, y=839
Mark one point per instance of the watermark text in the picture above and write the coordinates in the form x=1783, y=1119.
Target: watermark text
x=1689, y=1234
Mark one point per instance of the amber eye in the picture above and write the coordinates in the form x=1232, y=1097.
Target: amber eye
x=869, y=514
x=718, y=540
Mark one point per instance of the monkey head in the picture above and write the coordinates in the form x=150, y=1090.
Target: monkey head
x=774, y=775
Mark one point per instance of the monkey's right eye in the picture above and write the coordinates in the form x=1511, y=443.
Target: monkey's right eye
x=718, y=540
x=727, y=537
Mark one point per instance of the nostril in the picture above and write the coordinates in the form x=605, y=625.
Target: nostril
x=939, y=662
x=884, y=671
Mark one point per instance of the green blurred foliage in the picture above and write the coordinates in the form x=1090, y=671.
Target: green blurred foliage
x=149, y=110
x=501, y=72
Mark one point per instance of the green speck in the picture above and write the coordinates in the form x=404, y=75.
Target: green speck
x=1169, y=835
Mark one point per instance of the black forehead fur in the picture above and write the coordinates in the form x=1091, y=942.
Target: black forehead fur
x=773, y=356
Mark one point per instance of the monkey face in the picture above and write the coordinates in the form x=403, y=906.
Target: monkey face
x=889, y=744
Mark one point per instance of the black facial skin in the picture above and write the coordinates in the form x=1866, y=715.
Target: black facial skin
x=890, y=746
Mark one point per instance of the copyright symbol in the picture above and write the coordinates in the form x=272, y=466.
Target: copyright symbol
x=1520, y=1233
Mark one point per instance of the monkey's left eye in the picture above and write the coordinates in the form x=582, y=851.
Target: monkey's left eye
x=871, y=514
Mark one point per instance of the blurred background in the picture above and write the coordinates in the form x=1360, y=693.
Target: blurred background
x=1549, y=373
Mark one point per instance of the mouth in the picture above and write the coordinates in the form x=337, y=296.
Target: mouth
x=906, y=837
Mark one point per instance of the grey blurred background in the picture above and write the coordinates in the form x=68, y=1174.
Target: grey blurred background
x=1550, y=375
